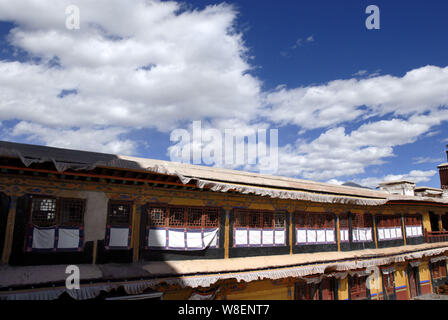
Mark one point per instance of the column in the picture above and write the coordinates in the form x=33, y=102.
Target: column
x=374, y=230
x=7, y=247
x=227, y=233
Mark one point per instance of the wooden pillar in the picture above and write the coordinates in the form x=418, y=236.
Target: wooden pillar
x=227, y=233
x=403, y=229
x=95, y=250
x=291, y=229
x=136, y=210
x=7, y=247
x=439, y=221
x=374, y=230
x=338, y=233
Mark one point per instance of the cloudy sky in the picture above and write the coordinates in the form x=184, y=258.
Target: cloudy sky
x=350, y=104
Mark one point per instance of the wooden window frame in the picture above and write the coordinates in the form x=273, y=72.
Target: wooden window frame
x=413, y=220
x=112, y=203
x=389, y=221
x=81, y=204
x=266, y=218
x=187, y=212
x=59, y=220
x=315, y=220
x=362, y=221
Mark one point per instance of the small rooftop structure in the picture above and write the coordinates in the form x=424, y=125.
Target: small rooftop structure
x=400, y=187
x=428, y=192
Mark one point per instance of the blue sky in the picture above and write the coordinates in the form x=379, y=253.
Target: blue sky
x=350, y=104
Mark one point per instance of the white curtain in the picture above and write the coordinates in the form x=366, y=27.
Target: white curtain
x=43, y=238
x=68, y=238
x=157, y=238
x=119, y=237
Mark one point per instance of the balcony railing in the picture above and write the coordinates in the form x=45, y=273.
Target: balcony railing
x=436, y=236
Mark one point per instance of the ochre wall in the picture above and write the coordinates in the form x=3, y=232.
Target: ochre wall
x=426, y=221
x=425, y=278
x=376, y=286
x=401, y=282
x=343, y=289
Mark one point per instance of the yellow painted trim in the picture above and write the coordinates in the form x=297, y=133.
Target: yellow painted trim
x=261, y=206
x=315, y=209
x=7, y=247
x=343, y=289
x=426, y=221
x=186, y=202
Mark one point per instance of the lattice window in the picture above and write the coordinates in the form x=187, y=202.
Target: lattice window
x=309, y=221
x=211, y=218
x=389, y=221
x=320, y=223
x=177, y=217
x=255, y=220
x=119, y=212
x=183, y=217
x=414, y=220
x=157, y=217
x=329, y=221
x=72, y=212
x=194, y=217
x=43, y=211
x=259, y=219
x=314, y=220
x=362, y=221
x=240, y=219
x=300, y=220
x=343, y=221
x=279, y=220
x=267, y=220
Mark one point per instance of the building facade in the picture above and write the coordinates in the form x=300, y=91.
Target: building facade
x=138, y=227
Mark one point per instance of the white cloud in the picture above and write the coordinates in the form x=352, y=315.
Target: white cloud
x=97, y=139
x=336, y=153
x=422, y=160
x=360, y=73
x=335, y=181
x=339, y=101
x=153, y=64
x=300, y=42
x=433, y=133
x=199, y=66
